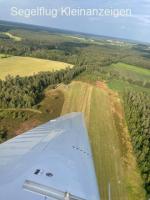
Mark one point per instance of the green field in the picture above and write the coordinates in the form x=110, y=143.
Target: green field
x=131, y=72
x=25, y=66
x=16, y=38
x=112, y=150
x=121, y=86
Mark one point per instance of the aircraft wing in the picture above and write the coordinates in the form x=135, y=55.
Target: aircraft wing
x=52, y=161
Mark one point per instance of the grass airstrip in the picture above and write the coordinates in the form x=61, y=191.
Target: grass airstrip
x=115, y=164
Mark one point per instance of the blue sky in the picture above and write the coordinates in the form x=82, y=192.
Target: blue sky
x=135, y=27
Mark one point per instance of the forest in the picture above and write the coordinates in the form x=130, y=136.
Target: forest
x=137, y=110
x=25, y=92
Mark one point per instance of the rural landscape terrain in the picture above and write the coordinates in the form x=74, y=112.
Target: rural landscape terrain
x=46, y=73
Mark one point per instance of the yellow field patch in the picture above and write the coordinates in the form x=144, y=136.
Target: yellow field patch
x=26, y=66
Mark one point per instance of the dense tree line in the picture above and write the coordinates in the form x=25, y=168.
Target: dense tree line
x=137, y=60
x=141, y=83
x=3, y=134
x=53, y=50
x=25, y=92
x=137, y=109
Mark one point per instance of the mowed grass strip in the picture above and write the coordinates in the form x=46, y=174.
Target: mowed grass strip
x=26, y=66
x=108, y=152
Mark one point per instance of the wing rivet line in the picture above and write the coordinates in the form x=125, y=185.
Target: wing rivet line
x=79, y=149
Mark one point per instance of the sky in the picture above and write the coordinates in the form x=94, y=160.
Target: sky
x=134, y=27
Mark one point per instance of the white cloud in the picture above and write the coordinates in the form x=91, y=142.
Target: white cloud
x=144, y=19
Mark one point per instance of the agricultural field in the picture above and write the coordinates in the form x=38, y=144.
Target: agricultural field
x=16, y=38
x=3, y=56
x=131, y=71
x=26, y=66
x=114, y=160
x=120, y=86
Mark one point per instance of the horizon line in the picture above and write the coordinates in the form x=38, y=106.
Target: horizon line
x=78, y=32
